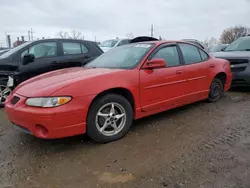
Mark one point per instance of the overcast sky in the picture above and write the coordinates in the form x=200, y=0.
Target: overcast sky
x=172, y=19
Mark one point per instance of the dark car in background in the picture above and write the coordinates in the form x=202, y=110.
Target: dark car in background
x=218, y=48
x=238, y=53
x=33, y=58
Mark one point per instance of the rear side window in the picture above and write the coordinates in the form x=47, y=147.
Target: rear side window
x=190, y=53
x=71, y=48
x=84, y=49
x=170, y=55
x=204, y=56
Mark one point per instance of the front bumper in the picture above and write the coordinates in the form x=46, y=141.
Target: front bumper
x=49, y=123
x=241, y=78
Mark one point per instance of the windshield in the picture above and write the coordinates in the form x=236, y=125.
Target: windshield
x=108, y=43
x=3, y=51
x=218, y=48
x=242, y=44
x=124, y=57
x=14, y=50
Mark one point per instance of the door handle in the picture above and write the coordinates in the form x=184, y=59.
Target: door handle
x=212, y=65
x=54, y=62
x=86, y=57
x=179, y=72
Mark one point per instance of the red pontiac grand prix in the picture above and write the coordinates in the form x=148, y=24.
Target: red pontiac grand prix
x=129, y=82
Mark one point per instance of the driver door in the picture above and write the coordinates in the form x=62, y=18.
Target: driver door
x=46, y=56
x=164, y=87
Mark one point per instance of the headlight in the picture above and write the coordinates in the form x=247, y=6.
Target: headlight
x=47, y=102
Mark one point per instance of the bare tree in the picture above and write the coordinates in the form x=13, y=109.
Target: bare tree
x=233, y=33
x=210, y=42
x=130, y=35
x=73, y=35
x=63, y=34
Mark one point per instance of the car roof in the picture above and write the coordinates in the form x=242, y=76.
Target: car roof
x=164, y=42
x=62, y=39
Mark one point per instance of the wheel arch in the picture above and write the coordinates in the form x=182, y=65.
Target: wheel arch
x=126, y=93
x=222, y=76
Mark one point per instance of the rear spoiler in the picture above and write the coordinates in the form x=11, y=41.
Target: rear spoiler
x=143, y=39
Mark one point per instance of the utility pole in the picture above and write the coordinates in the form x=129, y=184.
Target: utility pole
x=152, y=30
x=29, y=34
x=95, y=38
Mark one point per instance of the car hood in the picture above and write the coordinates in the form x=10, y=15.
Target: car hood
x=7, y=67
x=46, y=84
x=232, y=55
x=105, y=49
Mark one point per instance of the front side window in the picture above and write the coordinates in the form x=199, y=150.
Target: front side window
x=71, y=48
x=190, y=53
x=124, y=57
x=24, y=53
x=44, y=49
x=170, y=55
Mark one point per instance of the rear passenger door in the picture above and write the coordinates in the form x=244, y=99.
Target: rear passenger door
x=74, y=54
x=196, y=70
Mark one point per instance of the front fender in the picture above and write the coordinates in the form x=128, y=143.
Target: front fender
x=125, y=79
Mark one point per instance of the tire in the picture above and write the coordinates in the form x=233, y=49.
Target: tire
x=6, y=90
x=216, y=90
x=100, y=114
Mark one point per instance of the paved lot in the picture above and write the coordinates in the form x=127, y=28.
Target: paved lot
x=199, y=145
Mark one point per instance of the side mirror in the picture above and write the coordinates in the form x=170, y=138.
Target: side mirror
x=155, y=63
x=28, y=58
x=223, y=49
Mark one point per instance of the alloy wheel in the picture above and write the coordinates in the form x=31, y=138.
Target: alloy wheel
x=4, y=93
x=110, y=119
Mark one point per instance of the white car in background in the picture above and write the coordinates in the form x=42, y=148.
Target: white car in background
x=112, y=43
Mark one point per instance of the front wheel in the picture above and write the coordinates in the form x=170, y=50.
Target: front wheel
x=216, y=90
x=5, y=91
x=109, y=118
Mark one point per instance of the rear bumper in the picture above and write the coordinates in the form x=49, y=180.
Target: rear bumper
x=241, y=78
x=64, y=121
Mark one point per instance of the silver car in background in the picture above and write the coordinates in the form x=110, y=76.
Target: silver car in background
x=112, y=43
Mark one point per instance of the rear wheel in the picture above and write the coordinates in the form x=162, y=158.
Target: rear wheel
x=109, y=118
x=216, y=90
x=5, y=91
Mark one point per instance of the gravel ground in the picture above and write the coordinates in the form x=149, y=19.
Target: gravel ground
x=200, y=145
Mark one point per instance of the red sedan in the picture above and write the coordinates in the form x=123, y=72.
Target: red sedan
x=124, y=84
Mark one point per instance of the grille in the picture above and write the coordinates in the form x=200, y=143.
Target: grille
x=238, y=65
x=238, y=61
x=15, y=100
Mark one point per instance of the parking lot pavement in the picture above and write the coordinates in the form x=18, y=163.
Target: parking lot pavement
x=199, y=145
